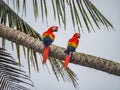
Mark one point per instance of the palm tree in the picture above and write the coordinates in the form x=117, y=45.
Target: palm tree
x=19, y=32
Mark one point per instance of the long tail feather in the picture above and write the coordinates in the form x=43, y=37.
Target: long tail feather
x=45, y=54
x=67, y=59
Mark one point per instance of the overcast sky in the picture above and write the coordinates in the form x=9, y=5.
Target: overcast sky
x=102, y=44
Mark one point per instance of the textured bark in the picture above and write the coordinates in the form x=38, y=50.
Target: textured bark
x=98, y=63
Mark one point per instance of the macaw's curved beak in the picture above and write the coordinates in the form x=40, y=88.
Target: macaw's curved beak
x=56, y=29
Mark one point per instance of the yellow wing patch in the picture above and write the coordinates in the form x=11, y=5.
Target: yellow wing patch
x=73, y=44
x=50, y=35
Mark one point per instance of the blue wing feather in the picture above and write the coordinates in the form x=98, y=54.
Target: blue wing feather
x=70, y=49
x=47, y=41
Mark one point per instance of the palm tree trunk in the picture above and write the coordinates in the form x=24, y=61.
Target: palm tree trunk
x=98, y=63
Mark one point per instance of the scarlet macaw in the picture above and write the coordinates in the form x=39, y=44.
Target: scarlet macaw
x=48, y=38
x=72, y=45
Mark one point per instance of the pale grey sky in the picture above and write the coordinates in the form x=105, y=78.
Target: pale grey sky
x=102, y=44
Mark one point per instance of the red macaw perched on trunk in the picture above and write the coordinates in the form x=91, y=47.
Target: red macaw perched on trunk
x=72, y=45
x=48, y=38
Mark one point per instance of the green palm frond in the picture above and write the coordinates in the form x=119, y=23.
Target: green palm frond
x=66, y=74
x=7, y=15
x=17, y=4
x=82, y=12
x=11, y=77
x=35, y=7
x=15, y=21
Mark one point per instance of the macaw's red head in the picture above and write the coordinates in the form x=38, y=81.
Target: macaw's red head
x=76, y=35
x=53, y=29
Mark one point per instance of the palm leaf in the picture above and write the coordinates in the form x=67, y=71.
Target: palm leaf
x=11, y=77
x=99, y=18
x=24, y=6
x=35, y=7
x=83, y=8
x=66, y=74
x=16, y=21
x=78, y=9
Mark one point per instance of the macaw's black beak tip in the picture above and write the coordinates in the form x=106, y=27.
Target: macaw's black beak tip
x=55, y=30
